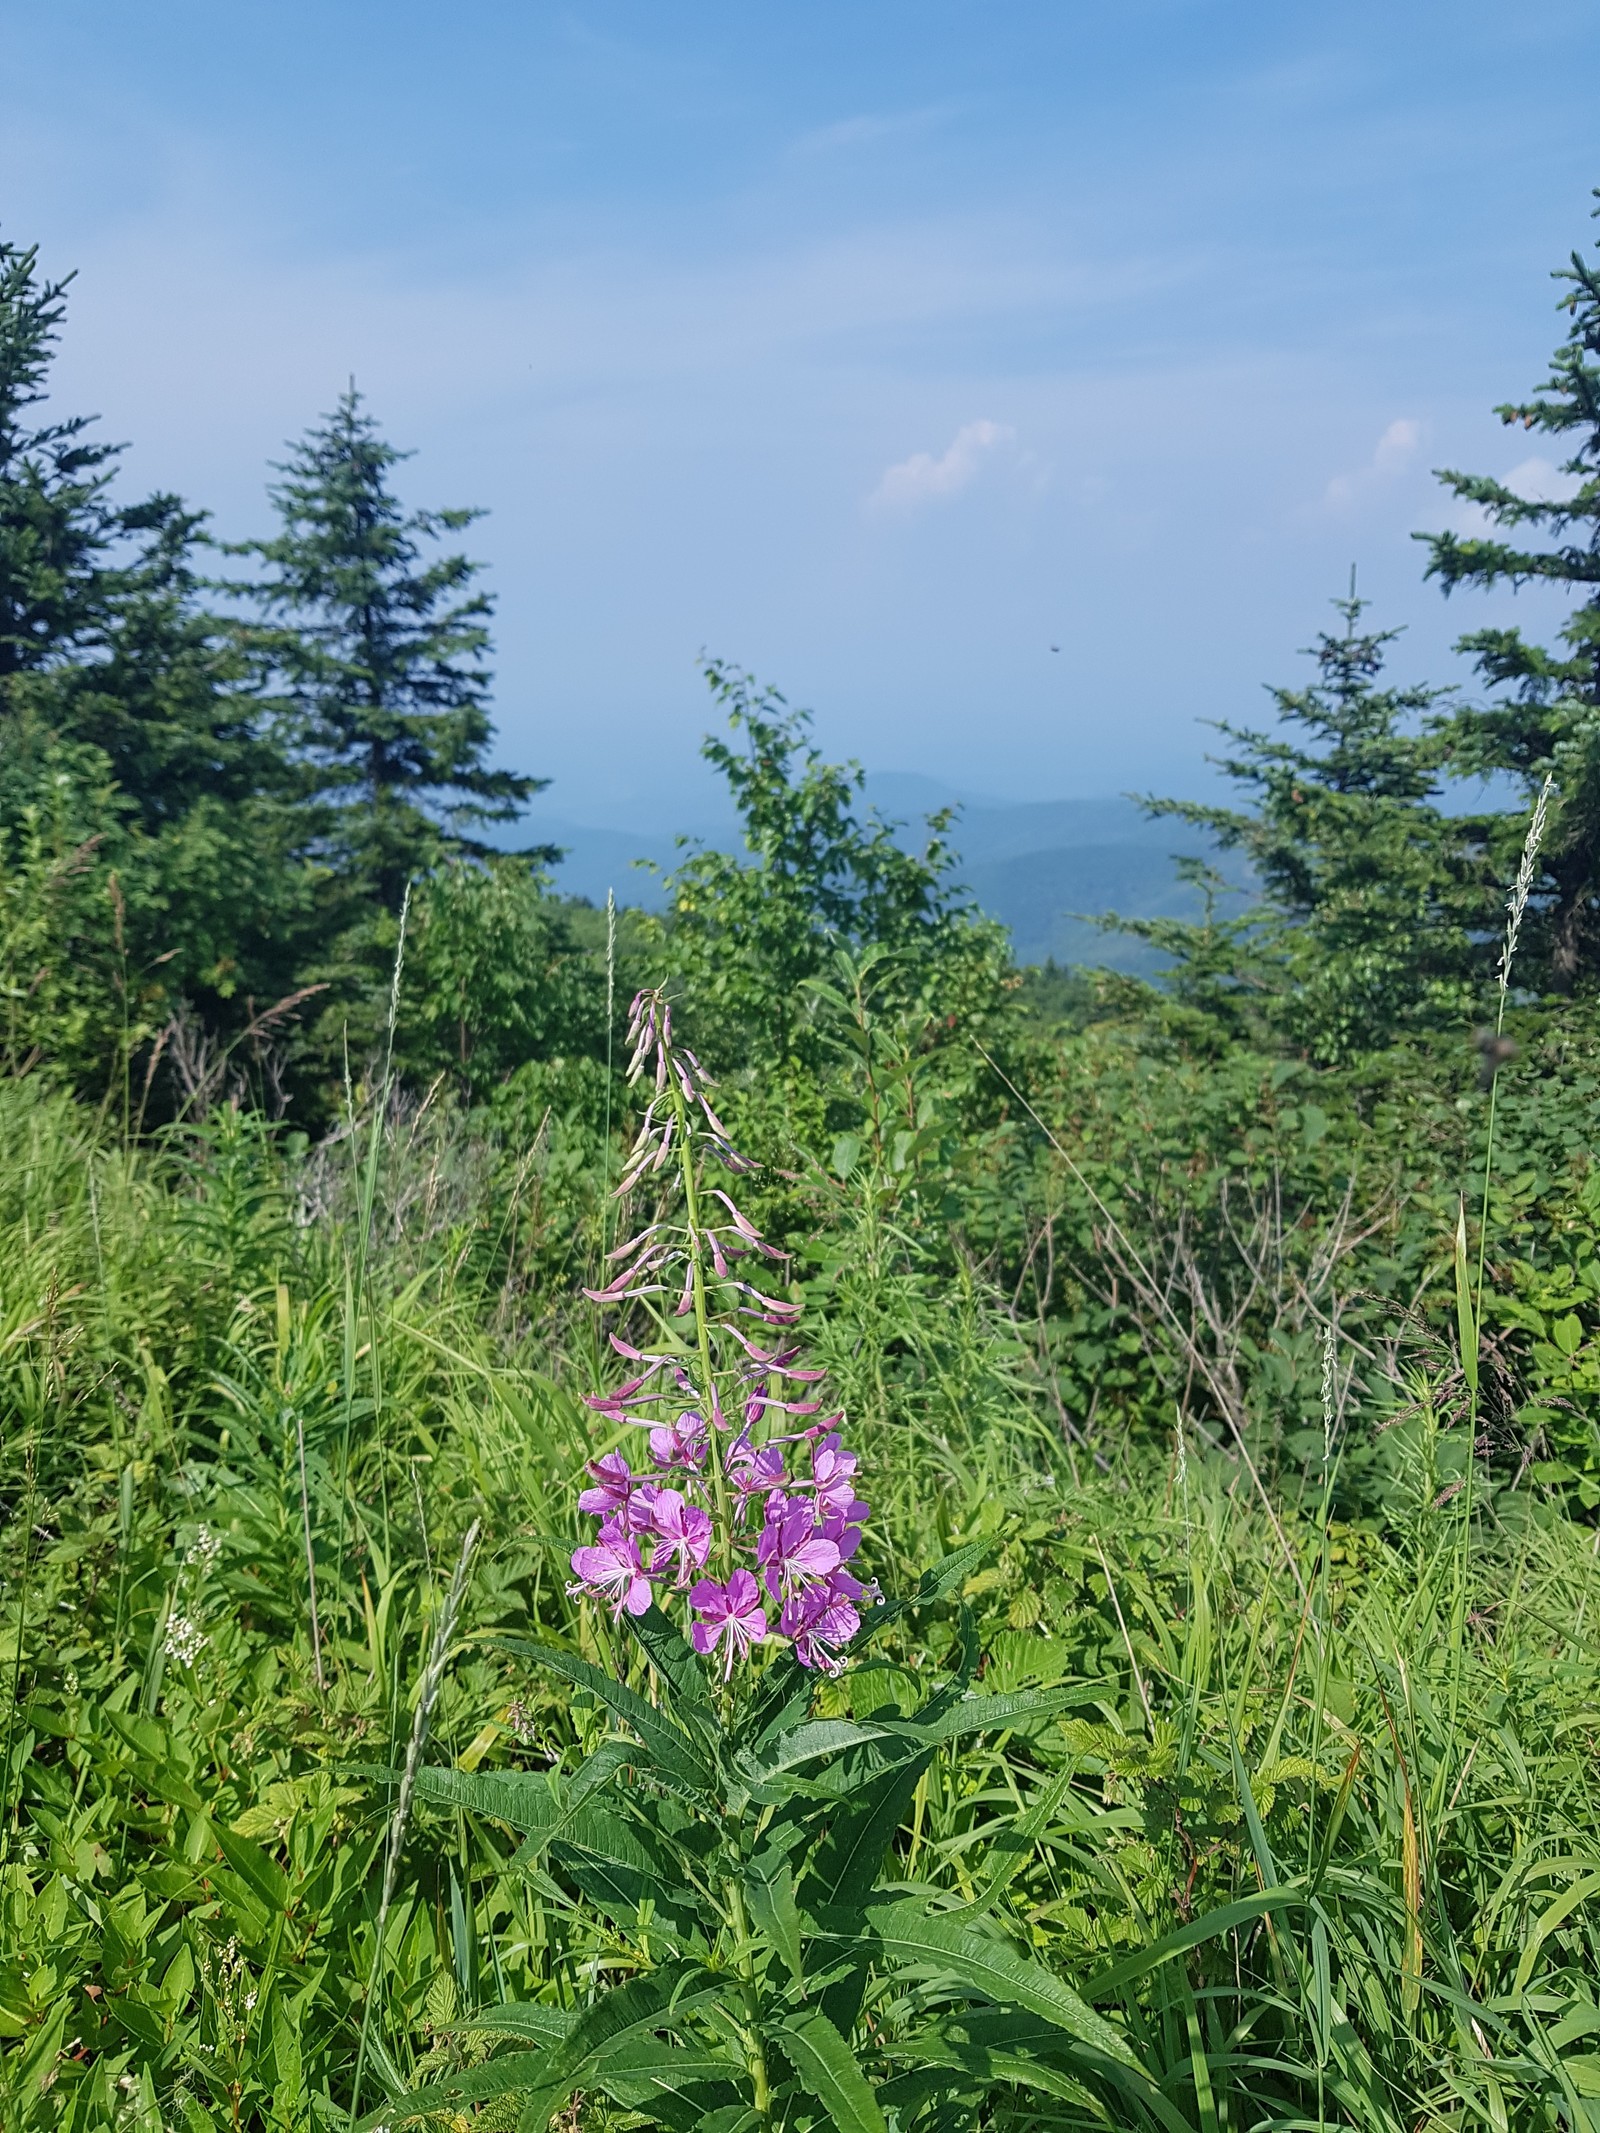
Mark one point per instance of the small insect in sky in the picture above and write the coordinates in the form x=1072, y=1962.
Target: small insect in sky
x=1055, y=648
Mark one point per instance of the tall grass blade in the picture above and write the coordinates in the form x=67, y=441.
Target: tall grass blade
x=427, y=1696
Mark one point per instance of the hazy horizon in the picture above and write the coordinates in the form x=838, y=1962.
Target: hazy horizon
x=1016, y=388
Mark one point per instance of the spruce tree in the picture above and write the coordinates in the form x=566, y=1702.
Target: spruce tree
x=381, y=653
x=1370, y=891
x=1543, y=716
x=57, y=525
x=118, y=684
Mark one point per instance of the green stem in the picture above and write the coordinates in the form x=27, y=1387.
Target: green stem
x=1488, y=1164
x=760, y=2075
x=702, y=1323
x=1468, y=1490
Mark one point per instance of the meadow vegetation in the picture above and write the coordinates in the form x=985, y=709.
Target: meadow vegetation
x=1217, y=1740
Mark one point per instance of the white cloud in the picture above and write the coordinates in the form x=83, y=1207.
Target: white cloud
x=922, y=479
x=1394, y=452
x=1397, y=445
x=1540, y=481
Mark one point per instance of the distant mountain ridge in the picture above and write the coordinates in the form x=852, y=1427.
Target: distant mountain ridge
x=1045, y=868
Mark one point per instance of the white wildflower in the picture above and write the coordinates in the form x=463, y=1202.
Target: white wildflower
x=204, y=1550
x=185, y=1640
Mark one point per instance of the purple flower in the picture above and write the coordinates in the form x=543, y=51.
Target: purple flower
x=821, y=1621
x=684, y=1532
x=612, y=1568
x=732, y=1614
x=831, y=1472
x=680, y=1442
x=752, y=1472
x=623, y=1498
x=792, y=1550
x=616, y=1484
x=845, y=1536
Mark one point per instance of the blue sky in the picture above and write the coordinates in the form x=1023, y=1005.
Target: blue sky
x=879, y=347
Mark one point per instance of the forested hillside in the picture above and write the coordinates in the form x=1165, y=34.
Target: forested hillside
x=745, y=1515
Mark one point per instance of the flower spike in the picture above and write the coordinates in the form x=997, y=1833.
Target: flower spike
x=721, y=1518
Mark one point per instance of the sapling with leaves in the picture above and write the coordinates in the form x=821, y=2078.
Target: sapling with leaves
x=773, y=1965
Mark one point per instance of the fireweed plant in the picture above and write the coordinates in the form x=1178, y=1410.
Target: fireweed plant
x=748, y=1508
x=769, y=1965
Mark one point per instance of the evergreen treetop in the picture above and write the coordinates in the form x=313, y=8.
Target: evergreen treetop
x=1370, y=891
x=56, y=524
x=123, y=709
x=381, y=654
x=1543, y=717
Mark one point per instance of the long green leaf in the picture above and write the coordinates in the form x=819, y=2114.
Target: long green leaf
x=932, y=2061
x=644, y=2003
x=1466, y=1318
x=843, y=1870
x=676, y=1661
x=501, y=2077
x=769, y=1892
x=806, y=1744
x=993, y=1714
x=523, y=1800
x=1017, y=1842
x=946, y=1576
x=676, y=2085
x=779, y=1704
x=530, y=2020
x=827, y=2069
x=913, y=1938
x=678, y=1761
x=1211, y=1927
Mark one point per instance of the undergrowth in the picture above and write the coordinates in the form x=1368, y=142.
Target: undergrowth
x=1314, y=1830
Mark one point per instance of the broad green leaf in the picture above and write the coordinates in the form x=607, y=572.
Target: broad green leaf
x=674, y=1659
x=619, y=1863
x=676, y=2086
x=599, y=1769
x=827, y=2069
x=525, y=1801
x=952, y=1571
x=617, y=1838
x=992, y=1714
x=782, y=1700
x=257, y=1869
x=931, y=2061
x=287, y=2061
x=577, y=1818
x=618, y=1891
